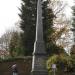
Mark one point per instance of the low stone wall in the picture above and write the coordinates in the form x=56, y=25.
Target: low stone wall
x=24, y=66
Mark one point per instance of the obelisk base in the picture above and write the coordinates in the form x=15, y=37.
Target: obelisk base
x=39, y=73
x=39, y=59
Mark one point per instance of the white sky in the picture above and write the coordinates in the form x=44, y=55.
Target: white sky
x=68, y=9
x=9, y=13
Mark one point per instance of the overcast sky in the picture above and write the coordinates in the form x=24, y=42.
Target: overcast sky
x=9, y=13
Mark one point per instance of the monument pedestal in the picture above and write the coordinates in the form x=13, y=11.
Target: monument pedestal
x=39, y=73
x=39, y=59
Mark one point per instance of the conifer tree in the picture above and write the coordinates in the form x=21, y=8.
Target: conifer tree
x=73, y=25
x=28, y=25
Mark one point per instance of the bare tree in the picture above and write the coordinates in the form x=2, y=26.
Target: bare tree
x=62, y=25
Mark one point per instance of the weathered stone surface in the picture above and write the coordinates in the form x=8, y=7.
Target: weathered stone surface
x=39, y=73
x=39, y=54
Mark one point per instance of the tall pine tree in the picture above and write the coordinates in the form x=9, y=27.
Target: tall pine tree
x=28, y=25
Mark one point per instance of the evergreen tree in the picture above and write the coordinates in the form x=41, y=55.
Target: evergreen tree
x=48, y=25
x=15, y=47
x=73, y=24
x=28, y=25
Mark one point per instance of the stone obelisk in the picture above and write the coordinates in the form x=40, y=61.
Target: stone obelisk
x=39, y=54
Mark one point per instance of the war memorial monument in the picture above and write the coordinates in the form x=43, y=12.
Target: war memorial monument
x=39, y=53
